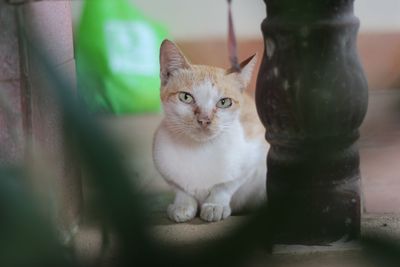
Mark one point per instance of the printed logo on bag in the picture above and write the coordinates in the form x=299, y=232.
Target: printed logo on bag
x=131, y=47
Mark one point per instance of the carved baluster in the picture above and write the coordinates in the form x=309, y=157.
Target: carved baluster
x=312, y=97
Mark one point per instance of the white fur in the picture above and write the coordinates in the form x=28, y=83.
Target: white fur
x=217, y=171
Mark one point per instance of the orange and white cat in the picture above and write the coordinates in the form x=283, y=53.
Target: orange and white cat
x=210, y=145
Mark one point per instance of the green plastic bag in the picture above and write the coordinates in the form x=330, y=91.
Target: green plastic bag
x=117, y=55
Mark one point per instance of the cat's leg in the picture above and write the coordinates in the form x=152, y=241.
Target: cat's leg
x=251, y=195
x=217, y=205
x=184, y=207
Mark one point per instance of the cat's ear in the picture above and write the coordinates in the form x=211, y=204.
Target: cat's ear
x=246, y=69
x=171, y=60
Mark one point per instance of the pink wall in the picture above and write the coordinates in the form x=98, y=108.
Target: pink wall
x=35, y=116
x=10, y=104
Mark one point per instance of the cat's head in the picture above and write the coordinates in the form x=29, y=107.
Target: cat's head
x=200, y=102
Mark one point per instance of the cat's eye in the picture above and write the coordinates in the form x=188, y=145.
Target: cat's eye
x=186, y=98
x=224, y=103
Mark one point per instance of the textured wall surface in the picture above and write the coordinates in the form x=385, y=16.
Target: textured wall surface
x=50, y=23
x=10, y=104
x=29, y=115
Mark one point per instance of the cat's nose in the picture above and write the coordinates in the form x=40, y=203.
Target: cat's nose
x=204, y=122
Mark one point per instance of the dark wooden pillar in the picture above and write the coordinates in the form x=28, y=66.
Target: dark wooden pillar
x=312, y=97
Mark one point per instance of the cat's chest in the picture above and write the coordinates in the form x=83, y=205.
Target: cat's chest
x=199, y=167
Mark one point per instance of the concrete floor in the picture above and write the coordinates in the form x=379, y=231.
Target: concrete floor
x=190, y=237
x=380, y=168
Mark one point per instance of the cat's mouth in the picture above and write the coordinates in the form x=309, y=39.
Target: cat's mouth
x=204, y=129
x=203, y=134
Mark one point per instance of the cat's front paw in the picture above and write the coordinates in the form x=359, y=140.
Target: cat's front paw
x=181, y=213
x=213, y=212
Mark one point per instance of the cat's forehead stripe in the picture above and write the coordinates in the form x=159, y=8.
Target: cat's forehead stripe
x=200, y=77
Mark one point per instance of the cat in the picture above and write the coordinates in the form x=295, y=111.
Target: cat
x=210, y=145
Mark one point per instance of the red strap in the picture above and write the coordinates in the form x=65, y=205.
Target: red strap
x=232, y=47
